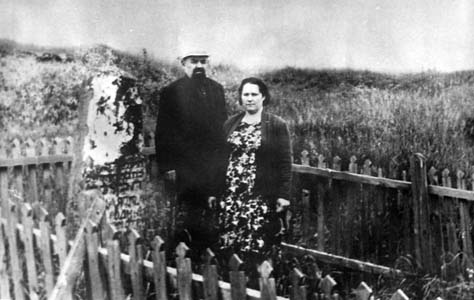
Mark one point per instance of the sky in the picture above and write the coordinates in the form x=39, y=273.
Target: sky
x=377, y=35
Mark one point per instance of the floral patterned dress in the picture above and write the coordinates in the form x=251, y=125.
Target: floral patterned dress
x=243, y=212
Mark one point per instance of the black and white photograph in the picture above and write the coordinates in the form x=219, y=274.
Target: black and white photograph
x=227, y=150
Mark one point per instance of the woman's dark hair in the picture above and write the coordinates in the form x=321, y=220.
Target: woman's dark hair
x=261, y=86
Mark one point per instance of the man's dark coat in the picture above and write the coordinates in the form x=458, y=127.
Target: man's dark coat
x=189, y=136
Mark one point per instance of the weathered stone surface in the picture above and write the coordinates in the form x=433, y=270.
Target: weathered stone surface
x=111, y=155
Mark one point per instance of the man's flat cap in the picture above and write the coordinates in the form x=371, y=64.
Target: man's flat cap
x=198, y=53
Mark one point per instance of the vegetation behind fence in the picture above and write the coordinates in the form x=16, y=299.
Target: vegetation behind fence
x=379, y=116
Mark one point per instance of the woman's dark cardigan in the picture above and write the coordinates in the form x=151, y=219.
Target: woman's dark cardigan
x=273, y=157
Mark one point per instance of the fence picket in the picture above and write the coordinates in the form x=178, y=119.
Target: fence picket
x=15, y=149
x=306, y=216
x=437, y=213
x=367, y=167
x=336, y=195
x=469, y=250
x=353, y=168
x=4, y=282
x=210, y=277
x=60, y=195
x=336, y=163
x=183, y=268
x=452, y=267
x=109, y=232
x=44, y=147
x=47, y=184
x=267, y=284
x=363, y=291
x=237, y=279
x=465, y=221
x=97, y=290
x=304, y=157
x=377, y=215
x=4, y=191
x=364, y=211
x=114, y=270
x=321, y=162
x=15, y=263
x=313, y=155
x=446, y=180
x=441, y=227
x=58, y=145
x=32, y=169
x=327, y=285
x=27, y=237
x=32, y=183
x=321, y=246
x=59, y=180
x=69, y=145
x=45, y=244
x=472, y=179
x=30, y=150
x=351, y=201
x=406, y=207
x=421, y=211
x=18, y=180
x=298, y=288
x=61, y=238
x=17, y=169
x=136, y=264
x=159, y=269
x=432, y=176
x=399, y=295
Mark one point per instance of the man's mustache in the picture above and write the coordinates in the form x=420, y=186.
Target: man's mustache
x=199, y=72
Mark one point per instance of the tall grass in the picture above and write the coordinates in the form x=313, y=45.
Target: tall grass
x=381, y=117
x=385, y=125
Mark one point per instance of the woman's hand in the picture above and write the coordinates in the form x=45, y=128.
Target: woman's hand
x=212, y=202
x=282, y=204
x=170, y=175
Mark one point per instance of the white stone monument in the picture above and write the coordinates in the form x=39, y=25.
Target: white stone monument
x=111, y=156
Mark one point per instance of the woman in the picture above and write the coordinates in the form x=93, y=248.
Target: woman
x=258, y=176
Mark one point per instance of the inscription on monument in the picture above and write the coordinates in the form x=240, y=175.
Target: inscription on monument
x=113, y=163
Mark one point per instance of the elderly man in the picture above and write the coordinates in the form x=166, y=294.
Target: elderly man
x=189, y=140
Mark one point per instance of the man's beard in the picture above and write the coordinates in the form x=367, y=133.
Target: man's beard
x=199, y=73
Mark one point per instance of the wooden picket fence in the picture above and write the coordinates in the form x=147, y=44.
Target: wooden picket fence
x=347, y=211
x=37, y=263
x=379, y=219
x=38, y=170
x=355, y=213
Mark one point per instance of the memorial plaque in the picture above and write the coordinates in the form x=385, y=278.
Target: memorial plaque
x=111, y=156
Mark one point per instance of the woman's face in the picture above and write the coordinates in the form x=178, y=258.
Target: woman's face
x=252, y=99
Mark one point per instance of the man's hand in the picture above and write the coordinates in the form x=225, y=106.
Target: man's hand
x=212, y=202
x=282, y=204
x=170, y=175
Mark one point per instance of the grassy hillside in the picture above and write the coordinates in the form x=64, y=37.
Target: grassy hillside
x=378, y=116
x=382, y=117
